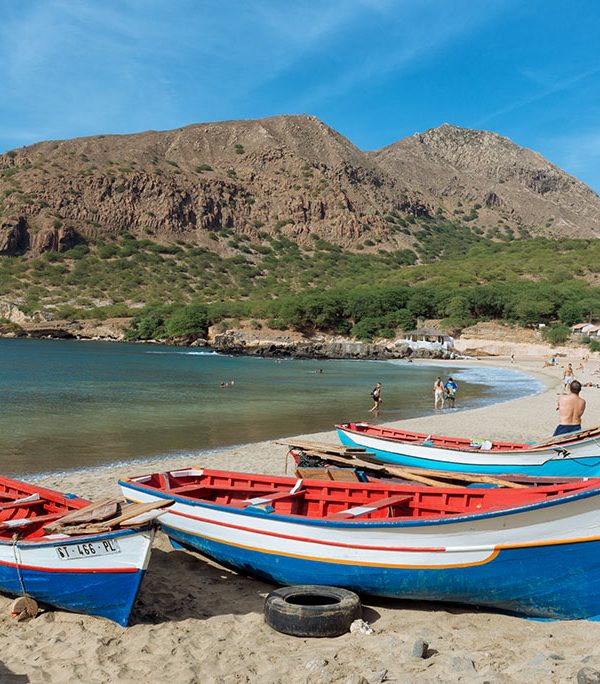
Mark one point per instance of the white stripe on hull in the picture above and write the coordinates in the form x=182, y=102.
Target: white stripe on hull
x=585, y=449
x=465, y=542
x=134, y=552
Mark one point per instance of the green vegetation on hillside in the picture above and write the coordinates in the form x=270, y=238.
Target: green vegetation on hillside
x=176, y=290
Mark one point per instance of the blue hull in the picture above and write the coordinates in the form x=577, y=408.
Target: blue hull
x=106, y=594
x=567, y=467
x=559, y=581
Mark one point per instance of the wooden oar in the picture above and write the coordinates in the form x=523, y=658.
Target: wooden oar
x=428, y=477
x=569, y=437
x=335, y=449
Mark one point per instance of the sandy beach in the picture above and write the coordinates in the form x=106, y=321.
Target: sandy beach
x=197, y=622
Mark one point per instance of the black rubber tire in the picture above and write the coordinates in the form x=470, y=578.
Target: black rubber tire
x=311, y=610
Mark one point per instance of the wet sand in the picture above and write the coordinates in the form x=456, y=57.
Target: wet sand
x=197, y=622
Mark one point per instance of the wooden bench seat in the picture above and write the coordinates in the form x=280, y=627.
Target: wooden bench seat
x=183, y=489
x=369, y=507
x=19, y=504
x=271, y=498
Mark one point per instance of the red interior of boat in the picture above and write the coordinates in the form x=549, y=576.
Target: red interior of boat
x=50, y=506
x=420, y=438
x=335, y=500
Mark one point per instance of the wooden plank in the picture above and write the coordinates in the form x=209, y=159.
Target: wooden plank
x=561, y=439
x=433, y=478
x=24, y=522
x=392, y=470
x=271, y=498
x=369, y=506
x=133, y=510
x=460, y=476
x=343, y=475
x=313, y=473
x=335, y=449
x=20, y=504
x=335, y=474
x=127, y=513
x=96, y=512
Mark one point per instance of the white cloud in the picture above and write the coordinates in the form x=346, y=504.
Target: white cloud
x=552, y=89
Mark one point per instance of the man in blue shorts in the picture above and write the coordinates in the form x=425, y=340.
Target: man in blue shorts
x=570, y=409
x=450, y=388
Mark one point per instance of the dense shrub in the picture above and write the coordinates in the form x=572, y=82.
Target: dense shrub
x=556, y=334
x=190, y=320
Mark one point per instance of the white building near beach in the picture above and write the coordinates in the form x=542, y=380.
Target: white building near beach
x=589, y=329
x=428, y=338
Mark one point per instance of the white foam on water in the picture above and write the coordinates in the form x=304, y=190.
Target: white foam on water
x=186, y=353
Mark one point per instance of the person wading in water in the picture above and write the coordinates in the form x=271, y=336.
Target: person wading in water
x=376, y=394
x=438, y=393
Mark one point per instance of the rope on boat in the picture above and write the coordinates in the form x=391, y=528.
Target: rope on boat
x=565, y=453
x=15, y=539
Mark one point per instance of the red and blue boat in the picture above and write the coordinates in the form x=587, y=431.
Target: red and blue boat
x=533, y=551
x=93, y=573
x=572, y=455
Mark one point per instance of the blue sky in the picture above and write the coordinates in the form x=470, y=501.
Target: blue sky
x=376, y=70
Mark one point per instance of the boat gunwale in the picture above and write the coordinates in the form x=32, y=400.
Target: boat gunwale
x=45, y=493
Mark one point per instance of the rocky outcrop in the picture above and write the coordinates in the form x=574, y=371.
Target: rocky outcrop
x=321, y=347
x=14, y=237
x=20, y=325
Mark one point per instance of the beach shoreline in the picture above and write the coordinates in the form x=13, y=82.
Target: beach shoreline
x=243, y=454
x=198, y=622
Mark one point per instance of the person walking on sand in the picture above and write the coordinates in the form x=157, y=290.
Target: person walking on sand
x=568, y=377
x=450, y=388
x=570, y=409
x=438, y=393
x=376, y=394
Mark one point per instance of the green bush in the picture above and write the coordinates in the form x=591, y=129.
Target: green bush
x=188, y=321
x=556, y=334
x=77, y=252
x=366, y=329
x=150, y=326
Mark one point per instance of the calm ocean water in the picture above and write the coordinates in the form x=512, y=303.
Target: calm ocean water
x=69, y=405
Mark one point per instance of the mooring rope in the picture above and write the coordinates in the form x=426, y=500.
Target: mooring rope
x=15, y=539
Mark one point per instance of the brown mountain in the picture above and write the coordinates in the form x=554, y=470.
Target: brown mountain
x=290, y=174
x=454, y=168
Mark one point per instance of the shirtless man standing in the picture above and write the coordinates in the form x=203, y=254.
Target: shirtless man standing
x=570, y=409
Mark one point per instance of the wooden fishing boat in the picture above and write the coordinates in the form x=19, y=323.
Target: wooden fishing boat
x=573, y=455
x=532, y=550
x=318, y=461
x=71, y=554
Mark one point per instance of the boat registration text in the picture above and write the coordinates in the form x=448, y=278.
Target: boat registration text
x=88, y=549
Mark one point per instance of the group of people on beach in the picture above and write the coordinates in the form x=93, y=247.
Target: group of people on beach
x=442, y=392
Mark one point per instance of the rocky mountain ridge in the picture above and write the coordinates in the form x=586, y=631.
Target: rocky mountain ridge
x=286, y=175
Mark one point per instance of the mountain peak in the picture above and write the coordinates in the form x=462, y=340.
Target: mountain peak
x=454, y=166
x=223, y=183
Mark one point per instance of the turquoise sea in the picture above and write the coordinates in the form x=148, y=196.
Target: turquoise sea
x=70, y=405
